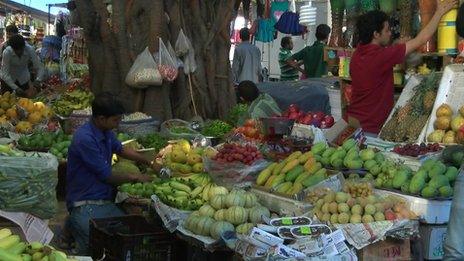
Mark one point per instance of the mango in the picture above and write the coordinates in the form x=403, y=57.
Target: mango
x=438, y=181
x=445, y=191
x=429, y=192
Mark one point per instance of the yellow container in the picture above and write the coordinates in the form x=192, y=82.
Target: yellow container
x=447, y=36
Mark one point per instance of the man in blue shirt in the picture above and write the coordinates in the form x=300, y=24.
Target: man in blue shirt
x=90, y=182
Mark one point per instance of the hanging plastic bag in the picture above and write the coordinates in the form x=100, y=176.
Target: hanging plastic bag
x=190, y=65
x=167, y=66
x=182, y=44
x=144, y=71
x=173, y=55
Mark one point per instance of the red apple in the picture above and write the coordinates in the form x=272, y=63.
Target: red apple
x=293, y=116
x=329, y=121
x=323, y=124
x=293, y=108
x=318, y=115
x=307, y=119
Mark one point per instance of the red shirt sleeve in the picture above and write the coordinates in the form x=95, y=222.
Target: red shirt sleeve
x=392, y=55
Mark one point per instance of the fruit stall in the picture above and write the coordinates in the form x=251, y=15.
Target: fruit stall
x=291, y=185
x=295, y=182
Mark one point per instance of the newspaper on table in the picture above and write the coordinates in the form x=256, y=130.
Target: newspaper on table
x=334, y=183
x=362, y=235
x=171, y=217
x=35, y=229
x=208, y=242
x=308, y=132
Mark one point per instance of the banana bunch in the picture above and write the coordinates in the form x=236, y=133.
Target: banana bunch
x=184, y=193
x=423, y=69
x=12, y=249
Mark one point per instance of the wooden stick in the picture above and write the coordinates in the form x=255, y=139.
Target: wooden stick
x=191, y=95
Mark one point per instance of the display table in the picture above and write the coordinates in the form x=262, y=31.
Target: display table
x=308, y=95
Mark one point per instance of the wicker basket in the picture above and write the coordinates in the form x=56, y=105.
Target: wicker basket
x=139, y=127
x=74, y=122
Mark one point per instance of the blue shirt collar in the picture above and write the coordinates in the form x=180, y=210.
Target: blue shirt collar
x=99, y=134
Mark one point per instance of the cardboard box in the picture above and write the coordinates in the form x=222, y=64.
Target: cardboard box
x=332, y=134
x=386, y=250
x=433, y=238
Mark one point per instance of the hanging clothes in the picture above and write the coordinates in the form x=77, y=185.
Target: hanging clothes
x=289, y=23
x=277, y=9
x=265, y=31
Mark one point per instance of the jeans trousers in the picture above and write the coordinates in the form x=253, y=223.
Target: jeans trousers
x=79, y=222
x=454, y=242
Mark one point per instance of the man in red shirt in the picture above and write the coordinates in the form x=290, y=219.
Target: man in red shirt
x=372, y=64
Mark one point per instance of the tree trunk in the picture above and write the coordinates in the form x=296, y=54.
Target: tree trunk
x=115, y=39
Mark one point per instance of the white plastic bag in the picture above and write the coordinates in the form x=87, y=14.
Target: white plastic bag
x=173, y=55
x=190, y=65
x=182, y=44
x=167, y=66
x=144, y=71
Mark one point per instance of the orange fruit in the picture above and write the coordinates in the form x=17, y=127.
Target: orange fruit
x=11, y=113
x=34, y=117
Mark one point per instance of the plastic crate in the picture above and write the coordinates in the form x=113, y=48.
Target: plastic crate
x=130, y=238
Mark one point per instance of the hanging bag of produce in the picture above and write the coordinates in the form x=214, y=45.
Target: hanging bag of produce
x=167, y=66
x=182, y=44
x=173, y=55
x=143, y=72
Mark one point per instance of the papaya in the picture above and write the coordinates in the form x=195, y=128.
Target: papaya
x=294, y=173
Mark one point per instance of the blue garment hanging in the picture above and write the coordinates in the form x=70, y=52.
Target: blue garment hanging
x=265, y=31
x=289, y=23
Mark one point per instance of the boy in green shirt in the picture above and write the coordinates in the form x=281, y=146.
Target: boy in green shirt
x=313, y=56
x=287, y=72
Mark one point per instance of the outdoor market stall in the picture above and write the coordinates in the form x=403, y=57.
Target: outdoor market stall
x=295, y=181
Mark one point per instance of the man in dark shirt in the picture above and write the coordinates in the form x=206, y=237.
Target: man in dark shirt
x=90, y=181
x=10, y=31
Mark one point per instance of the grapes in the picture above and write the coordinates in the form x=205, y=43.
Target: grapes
x=415, y=150
x=231, y=152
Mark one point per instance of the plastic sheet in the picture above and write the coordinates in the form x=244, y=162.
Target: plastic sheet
x=27, y=184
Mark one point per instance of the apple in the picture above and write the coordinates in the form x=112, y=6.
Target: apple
x=293, y=116
x=293, y=108
x=319, y=115
x=329, y=120
x=324, y=124
x=307, y=119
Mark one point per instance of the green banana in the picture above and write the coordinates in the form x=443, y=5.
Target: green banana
x=197, y=191
x=180, y=193
x=17, y=249
x=180, y=186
